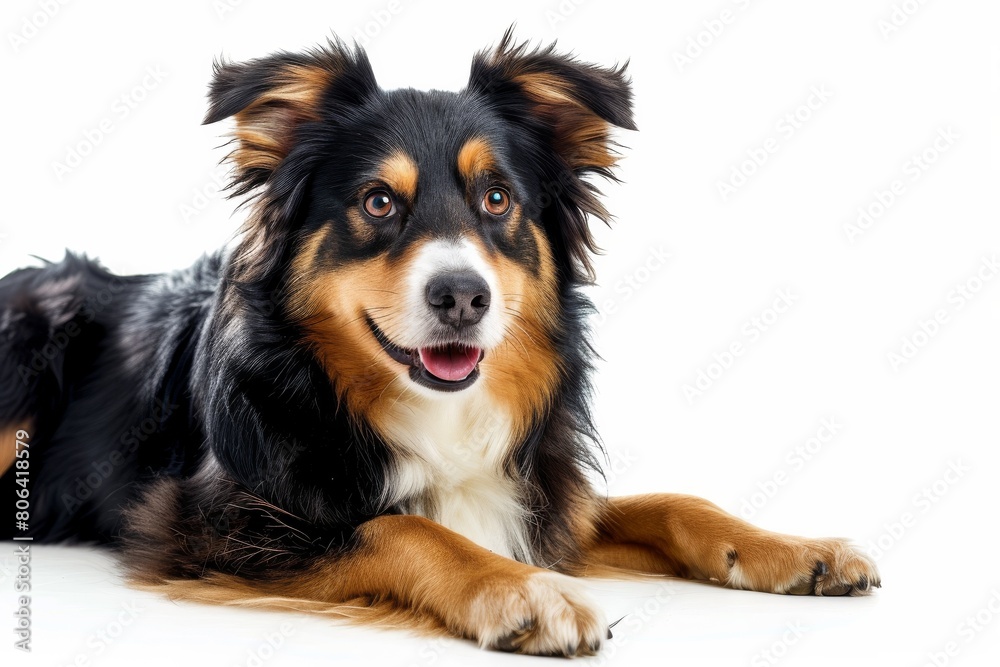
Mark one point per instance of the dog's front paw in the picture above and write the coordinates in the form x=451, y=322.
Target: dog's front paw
x=543, y=614
x=800, y=566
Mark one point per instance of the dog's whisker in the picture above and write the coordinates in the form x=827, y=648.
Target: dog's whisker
x=522, y=330
x=512, y=337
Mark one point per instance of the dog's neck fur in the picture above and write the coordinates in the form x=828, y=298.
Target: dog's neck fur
x=453, y=454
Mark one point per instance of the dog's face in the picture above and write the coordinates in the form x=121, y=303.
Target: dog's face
x=421, y=249
x=429, y=235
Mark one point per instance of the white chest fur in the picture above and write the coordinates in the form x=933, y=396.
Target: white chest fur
x=451, y=452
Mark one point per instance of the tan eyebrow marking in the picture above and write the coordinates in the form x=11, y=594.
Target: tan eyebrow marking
x=475, y=157
x=400, y=173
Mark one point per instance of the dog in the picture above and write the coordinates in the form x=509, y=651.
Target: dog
x=375, y=403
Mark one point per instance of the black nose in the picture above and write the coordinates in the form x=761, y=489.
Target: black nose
x=459, y=298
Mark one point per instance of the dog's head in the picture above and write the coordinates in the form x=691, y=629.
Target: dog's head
x=425, y=239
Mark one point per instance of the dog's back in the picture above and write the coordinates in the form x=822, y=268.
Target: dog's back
x=94, y=368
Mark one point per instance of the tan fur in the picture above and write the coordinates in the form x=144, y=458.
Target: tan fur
x=373, y=610
x=409, y=572
x=264, y=129
x=440, y=579
x=400, y=173
x=512, y=231
x=8, y=443
x=690, y=537
x=474, y=158
x=581, y=137
x=331, y=304
x=523, y=373
x=361, y=228
x=263, y=137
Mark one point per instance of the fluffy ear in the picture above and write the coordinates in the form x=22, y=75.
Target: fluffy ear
x=568, y=109
x=271, y=98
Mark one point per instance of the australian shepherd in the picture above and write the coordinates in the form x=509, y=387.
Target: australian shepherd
x=375, y=404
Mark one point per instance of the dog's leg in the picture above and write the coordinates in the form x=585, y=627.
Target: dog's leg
x=690, y=537
x=422, y=566
x=9, y=436
x=499, y=602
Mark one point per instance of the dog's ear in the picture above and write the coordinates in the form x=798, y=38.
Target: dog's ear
x=272, y=97
x=568, y=109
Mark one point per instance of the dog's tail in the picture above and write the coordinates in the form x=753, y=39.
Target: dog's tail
x=50, y=329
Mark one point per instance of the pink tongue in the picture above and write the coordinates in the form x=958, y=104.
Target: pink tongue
x=452, y=363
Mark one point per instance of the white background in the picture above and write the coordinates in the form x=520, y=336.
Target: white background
x=888, y=95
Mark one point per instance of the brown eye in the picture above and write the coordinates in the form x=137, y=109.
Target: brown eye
x=496, y=201
x=379, y=204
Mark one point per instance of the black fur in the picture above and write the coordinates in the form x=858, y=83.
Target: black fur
x=164, y=369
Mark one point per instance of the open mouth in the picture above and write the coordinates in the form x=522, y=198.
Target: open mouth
x=448, y=367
